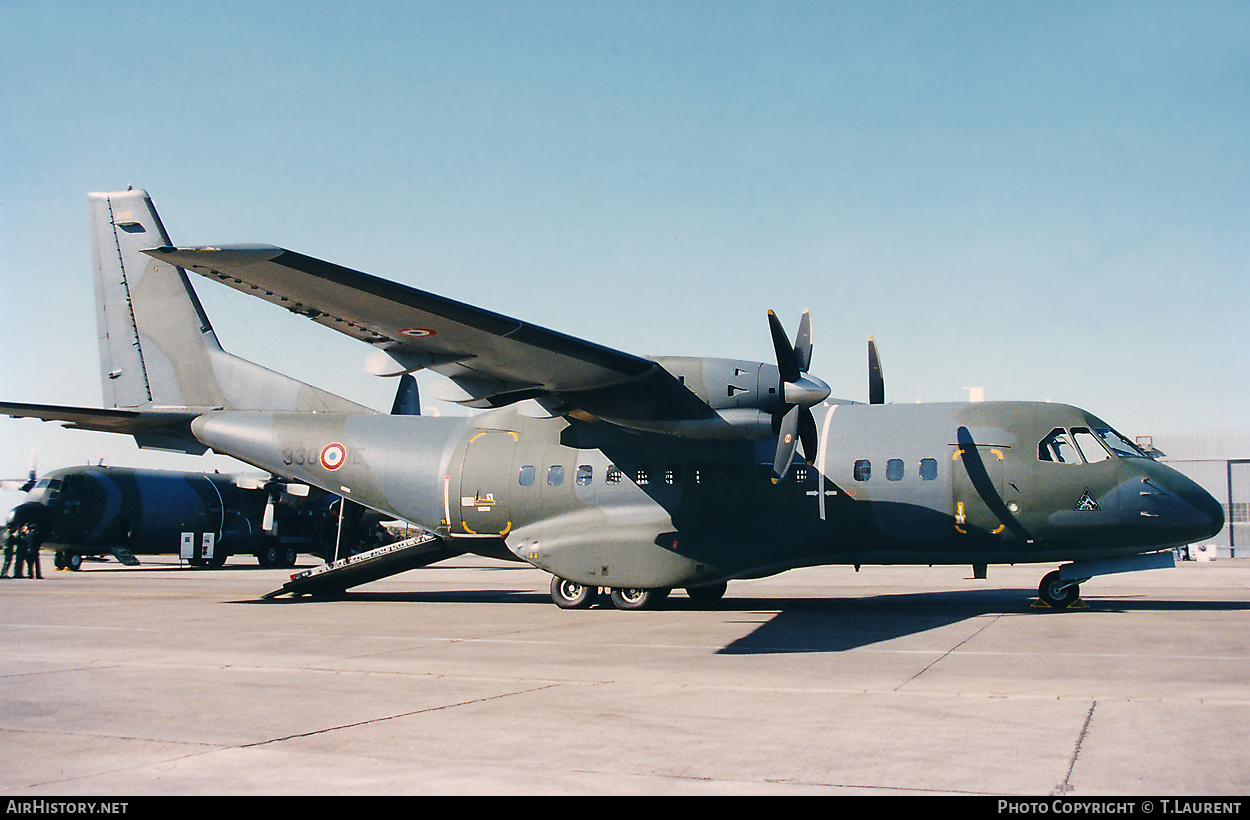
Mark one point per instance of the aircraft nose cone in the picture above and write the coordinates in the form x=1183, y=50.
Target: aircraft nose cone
x=1175, y=502
x=1206, y=504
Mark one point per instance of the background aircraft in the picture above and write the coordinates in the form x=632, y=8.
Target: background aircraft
x=627, y=473
x=205, y=517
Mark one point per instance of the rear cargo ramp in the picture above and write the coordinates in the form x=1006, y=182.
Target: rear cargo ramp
x=337, y=577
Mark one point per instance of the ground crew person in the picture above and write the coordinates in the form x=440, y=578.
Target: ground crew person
x=11, y=542
x=33, y=542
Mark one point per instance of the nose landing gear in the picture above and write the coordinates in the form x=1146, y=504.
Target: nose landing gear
x=1058, y=593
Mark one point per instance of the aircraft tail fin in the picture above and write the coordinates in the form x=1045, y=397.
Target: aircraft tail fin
x=157, y=348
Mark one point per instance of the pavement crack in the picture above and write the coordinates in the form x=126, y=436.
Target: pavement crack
x=385, y=718
x=1066, y=785
x=948, y=652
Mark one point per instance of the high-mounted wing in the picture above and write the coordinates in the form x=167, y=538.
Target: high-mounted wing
x=153, y=429
x=493, y=360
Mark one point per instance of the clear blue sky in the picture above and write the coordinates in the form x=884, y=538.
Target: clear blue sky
x=1046, y=200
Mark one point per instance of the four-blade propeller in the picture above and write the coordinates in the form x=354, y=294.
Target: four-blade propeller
x=799, y=392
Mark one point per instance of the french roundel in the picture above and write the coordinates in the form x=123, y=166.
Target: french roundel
x=333, y=455
x=418, y=332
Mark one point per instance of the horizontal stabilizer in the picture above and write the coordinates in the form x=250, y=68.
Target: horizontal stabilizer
x=152, y=429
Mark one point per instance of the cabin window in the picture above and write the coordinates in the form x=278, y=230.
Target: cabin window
x=526, y=477
x=642, y=475
x=894, y=469
x=672, y=474
x=1057, y=447
x=585, y=474
x=613, y=475
x=863, y=470
x=801, y=473
x=555, y=475
x=928, y=469
x=701, y=473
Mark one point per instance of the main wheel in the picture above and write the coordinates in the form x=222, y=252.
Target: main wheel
x=269, y=555
x=1056, y=592
x=711, y=592
x=572, y=595
x=629, y=598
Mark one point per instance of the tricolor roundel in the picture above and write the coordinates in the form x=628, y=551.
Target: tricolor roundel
x=333, y=456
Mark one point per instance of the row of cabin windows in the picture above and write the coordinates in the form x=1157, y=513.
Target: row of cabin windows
x=643, y=474
x=895, y=469
x=672, y=474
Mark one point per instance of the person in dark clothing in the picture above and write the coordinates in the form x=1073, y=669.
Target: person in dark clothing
x=32, y=542
x=12, y=543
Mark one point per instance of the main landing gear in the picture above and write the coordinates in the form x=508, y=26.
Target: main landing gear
x=64, y=559
x=572, y=595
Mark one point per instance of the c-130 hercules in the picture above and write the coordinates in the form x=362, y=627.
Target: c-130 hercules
x=638, y=475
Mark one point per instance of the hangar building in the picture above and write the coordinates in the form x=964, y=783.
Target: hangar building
x=1220, y=462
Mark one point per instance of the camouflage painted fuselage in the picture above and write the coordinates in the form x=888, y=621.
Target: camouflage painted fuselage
x=598, y=504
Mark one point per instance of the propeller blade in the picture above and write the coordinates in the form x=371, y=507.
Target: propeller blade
x=807, y=434
x=876, y=381
x=787, y=441
x=803, y=342
x=407, y=401
x=787, y=361
x=266, y=522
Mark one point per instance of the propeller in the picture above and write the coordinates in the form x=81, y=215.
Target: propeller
x=274, y=488
x=799, y=392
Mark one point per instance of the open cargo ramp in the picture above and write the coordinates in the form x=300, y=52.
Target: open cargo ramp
x=338, y=576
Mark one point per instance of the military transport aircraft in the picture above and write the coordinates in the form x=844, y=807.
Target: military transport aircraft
x=205, y=517
x=638, y=475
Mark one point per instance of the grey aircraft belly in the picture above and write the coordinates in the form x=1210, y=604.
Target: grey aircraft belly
x=623, y=473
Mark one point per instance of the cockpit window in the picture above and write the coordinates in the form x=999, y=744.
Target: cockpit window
x=1086, y=444
x=1118, y=444
x=1089, y=445
x=1058, y=447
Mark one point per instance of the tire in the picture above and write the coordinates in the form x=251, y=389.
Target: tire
x=707, y=594
x=1057, y=593
x=73, y=561
x=572, y=595
x=269, y=555
x=627, y=598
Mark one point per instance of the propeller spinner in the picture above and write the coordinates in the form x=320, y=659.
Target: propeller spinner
x=799, y=391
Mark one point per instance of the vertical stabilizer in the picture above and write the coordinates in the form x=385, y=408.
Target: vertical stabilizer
x=157, y=348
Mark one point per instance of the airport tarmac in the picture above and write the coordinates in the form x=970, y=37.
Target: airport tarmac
x=463, y=678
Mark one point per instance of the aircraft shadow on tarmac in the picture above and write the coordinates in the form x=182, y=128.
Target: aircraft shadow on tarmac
x=814, y=625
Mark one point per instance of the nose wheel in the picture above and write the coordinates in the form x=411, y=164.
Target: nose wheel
x=1058, y=593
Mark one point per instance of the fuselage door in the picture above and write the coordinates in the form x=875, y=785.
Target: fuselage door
x=484, y=482
x=979, y=504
